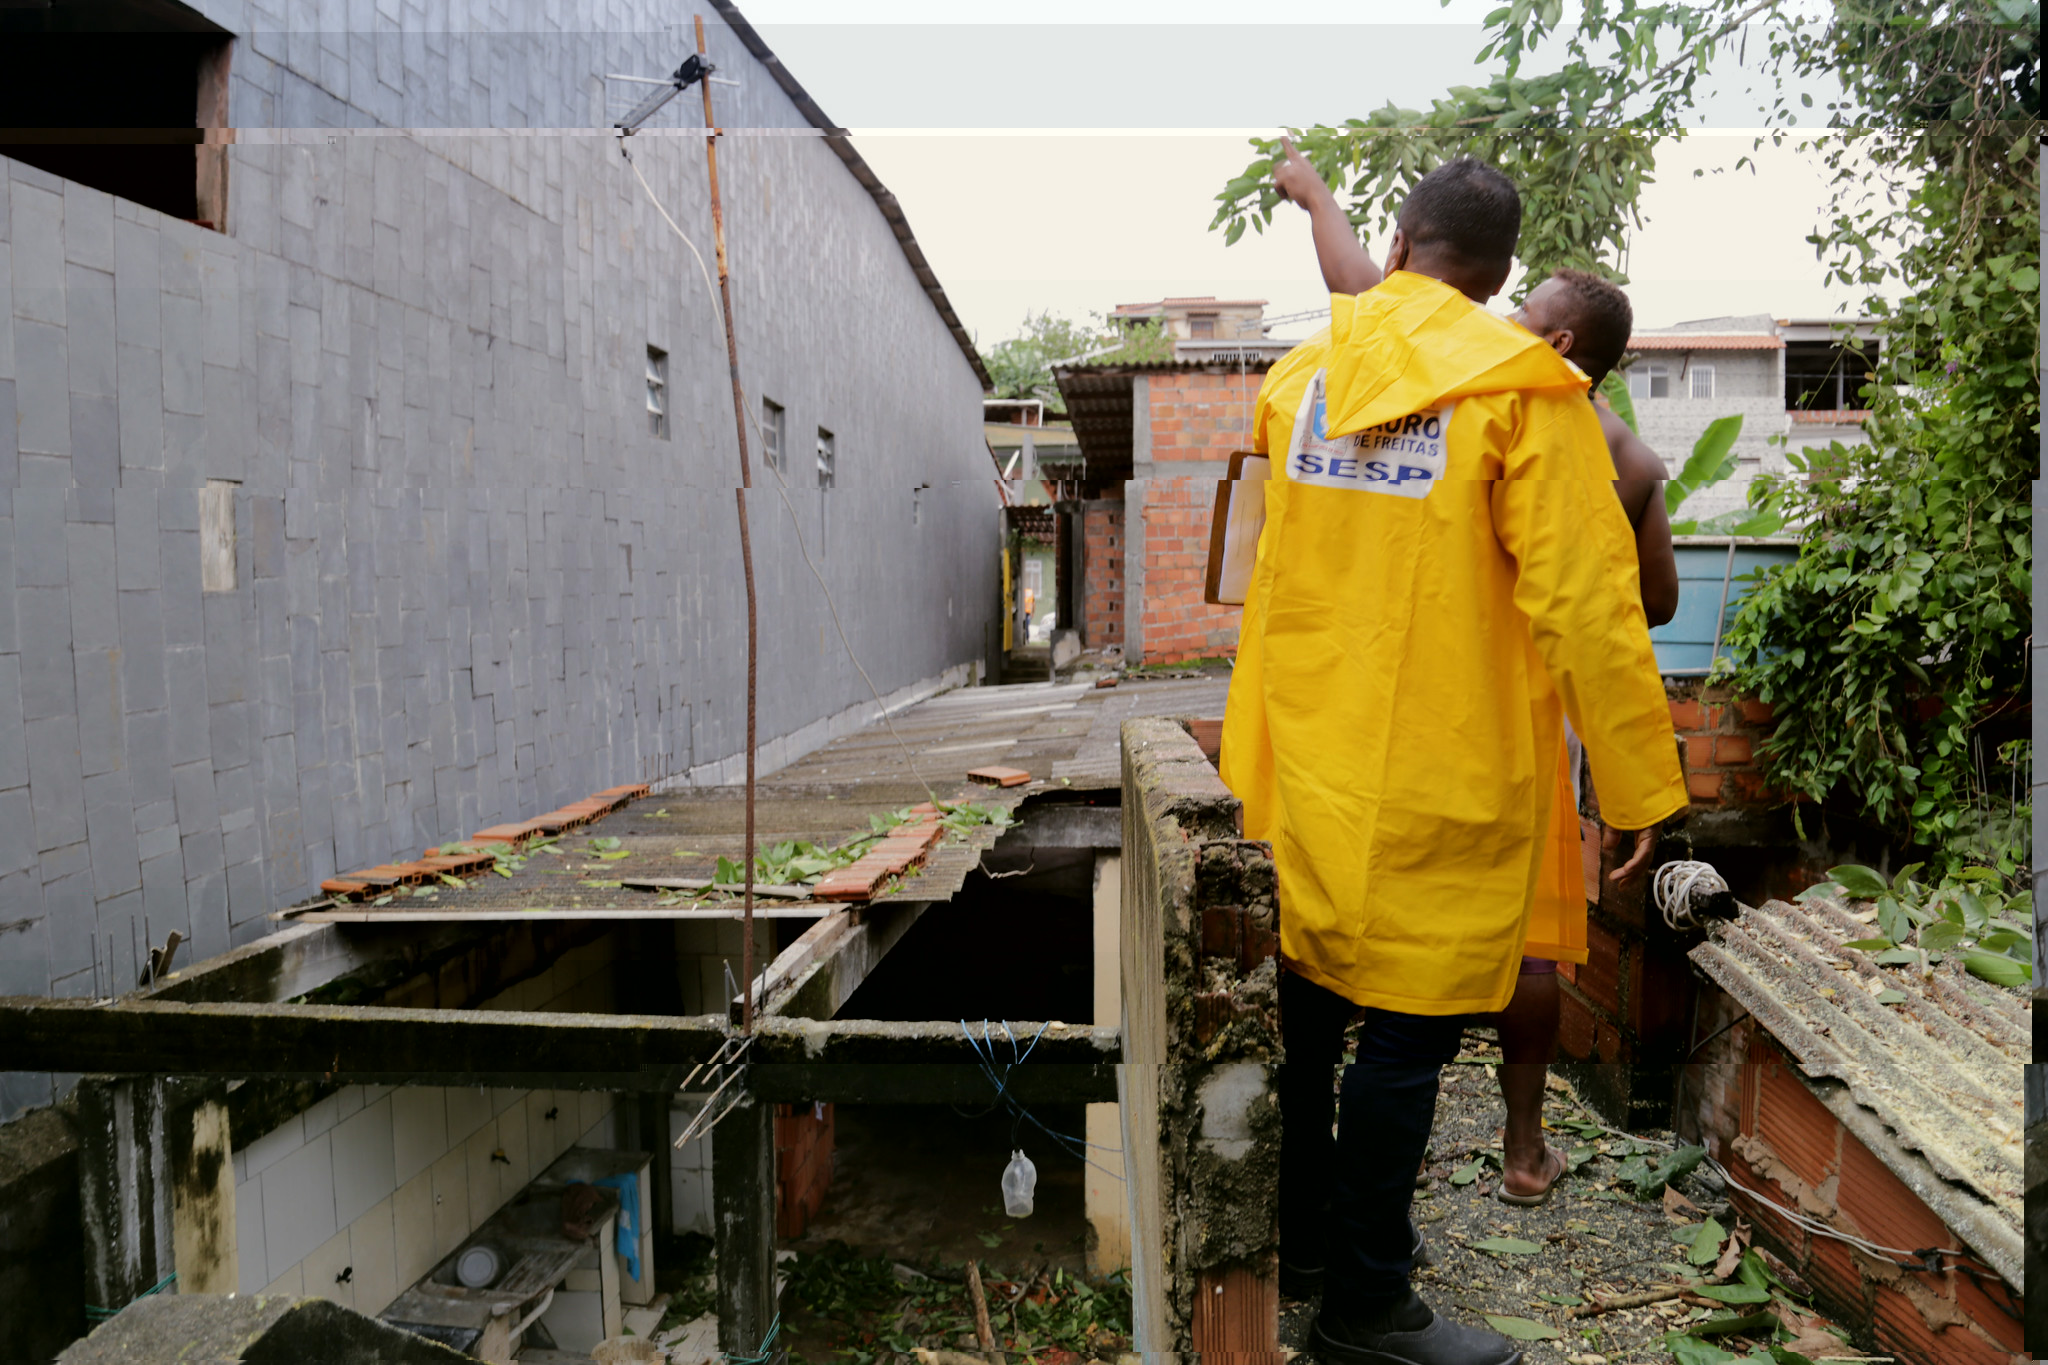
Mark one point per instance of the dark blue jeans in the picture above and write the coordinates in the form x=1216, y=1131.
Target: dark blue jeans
x=1344, y=1201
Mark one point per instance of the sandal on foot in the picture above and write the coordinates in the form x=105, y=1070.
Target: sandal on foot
x=1542, y=1196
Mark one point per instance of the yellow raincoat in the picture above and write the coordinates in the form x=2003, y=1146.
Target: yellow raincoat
x=1426, y=597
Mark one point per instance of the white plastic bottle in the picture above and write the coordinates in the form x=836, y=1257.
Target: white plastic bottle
x=1020, y=1183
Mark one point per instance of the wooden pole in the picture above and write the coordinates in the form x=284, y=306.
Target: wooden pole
x=984, y=1336
x=739, y=417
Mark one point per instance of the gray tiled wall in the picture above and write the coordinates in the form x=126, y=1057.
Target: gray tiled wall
x=469, y=585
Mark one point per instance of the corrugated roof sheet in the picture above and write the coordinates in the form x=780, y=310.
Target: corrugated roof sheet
x=1941, y=1070
x=1706, y=341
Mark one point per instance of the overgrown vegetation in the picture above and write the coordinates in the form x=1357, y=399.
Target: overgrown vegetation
x=875, y=1310
x=1022, y=366
x=1889, y=645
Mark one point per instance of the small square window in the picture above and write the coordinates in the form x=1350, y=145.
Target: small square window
x=1703, y=381
x=826, y=458
x=1201, y=326
x=1649, y=381
x=657, y=393
x=771, y=433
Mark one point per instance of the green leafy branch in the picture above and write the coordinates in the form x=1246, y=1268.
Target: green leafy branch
x=1968, y=914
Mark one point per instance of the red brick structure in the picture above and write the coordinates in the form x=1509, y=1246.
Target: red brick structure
x=1782, y=1135
x=1156, y=439
x=1102, y=556
x=803, y=1165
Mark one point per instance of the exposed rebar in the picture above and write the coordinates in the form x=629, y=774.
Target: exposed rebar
x=739, y=418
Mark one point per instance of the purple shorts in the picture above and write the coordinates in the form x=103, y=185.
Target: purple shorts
x=1538, y=966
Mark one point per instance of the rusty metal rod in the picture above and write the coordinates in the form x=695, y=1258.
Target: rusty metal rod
x=739, y=417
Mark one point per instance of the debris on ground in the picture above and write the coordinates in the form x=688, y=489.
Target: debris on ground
x=1636, y=1258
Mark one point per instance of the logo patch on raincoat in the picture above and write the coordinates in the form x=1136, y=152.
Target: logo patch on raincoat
x=1405, y=457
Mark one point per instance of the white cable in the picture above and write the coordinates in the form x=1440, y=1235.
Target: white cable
x=1673, y=890
x=782, y=487
x=1820, y=1229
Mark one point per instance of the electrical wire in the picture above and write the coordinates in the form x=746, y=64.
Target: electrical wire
x=1068, y=1144
x=1673, y=889
x=1925, y=1260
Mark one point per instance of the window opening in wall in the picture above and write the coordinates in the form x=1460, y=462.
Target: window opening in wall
x=657, y=393
x=1201, y=326
x=1649, y=381
x=771, y=433
x=1821, y=375
x=826, y=459
x=217, y=535
x=126, y=96
x=1703, y=381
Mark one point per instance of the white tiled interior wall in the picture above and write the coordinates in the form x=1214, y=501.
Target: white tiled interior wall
x=382, y=1182
x=689, y=1170
x=704, y=947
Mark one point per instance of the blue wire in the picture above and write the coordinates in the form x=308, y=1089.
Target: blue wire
x=987, y=1063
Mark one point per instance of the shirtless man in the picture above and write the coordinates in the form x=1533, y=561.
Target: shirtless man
x=1588, y=320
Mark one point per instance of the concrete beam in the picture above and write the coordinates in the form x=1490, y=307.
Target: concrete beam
x=378, y=1044
x=306, y=958
x=891, y=1083
x=357, y=1043
x=816, y=975
x=1064, y=824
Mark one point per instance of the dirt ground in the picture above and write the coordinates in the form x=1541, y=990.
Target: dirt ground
x=1592, y=1234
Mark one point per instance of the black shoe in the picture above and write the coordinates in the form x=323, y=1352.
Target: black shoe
x=1391, y=1341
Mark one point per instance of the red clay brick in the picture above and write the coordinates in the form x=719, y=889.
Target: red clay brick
x=1732, y=750
x=1755, y=712
x=1804, y=1134
x=1687, y=715
x=1699, y=753
x=1600, y=976
x=1704, y=786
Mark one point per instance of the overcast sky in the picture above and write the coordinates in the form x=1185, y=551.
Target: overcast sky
x=1071, y=163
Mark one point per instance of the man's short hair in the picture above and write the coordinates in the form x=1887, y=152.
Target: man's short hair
x=1466, y=208
x=1600, y=318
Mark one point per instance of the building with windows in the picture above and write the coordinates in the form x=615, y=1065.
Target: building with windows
x=1795, y=382
x=367, y=449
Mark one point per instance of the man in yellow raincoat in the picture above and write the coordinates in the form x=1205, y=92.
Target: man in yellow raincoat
x=1445, y=573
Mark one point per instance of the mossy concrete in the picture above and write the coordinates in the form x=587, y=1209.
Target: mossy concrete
x=187, y=1328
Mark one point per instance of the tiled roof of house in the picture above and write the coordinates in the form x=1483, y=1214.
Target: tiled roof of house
x=1705, y=341
x=1940, y=1070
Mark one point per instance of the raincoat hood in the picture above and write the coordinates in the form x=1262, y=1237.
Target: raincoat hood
x=1414, y=342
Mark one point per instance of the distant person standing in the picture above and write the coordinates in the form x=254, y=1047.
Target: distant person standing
x=1450, y=575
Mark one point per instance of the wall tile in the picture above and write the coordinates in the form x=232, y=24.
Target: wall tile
x=250, y=1261
x=451, y=1201
x=419, y=1128
x=365, y=1168
x=298, y=1204
x=412, y=1225
x=274, y=1145
x=372, y=1251
x=323, y=1270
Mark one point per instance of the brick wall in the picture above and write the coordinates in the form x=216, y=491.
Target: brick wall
x=1721, y=734
x=1193, y=420
x=1755, y=1114
x=803, y=1165
x=1102, y=575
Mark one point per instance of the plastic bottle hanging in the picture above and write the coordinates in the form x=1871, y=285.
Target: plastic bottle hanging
x=1020, y=1183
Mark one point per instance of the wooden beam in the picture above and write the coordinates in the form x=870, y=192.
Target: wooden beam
x=357, y=1043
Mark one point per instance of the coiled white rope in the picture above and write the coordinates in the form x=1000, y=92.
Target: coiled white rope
x=1674, y=887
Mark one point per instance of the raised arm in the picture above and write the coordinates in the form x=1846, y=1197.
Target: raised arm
x=1347, y=265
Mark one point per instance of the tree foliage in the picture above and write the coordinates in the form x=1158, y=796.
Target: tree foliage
x=1022, y=365
x=1900, y=625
